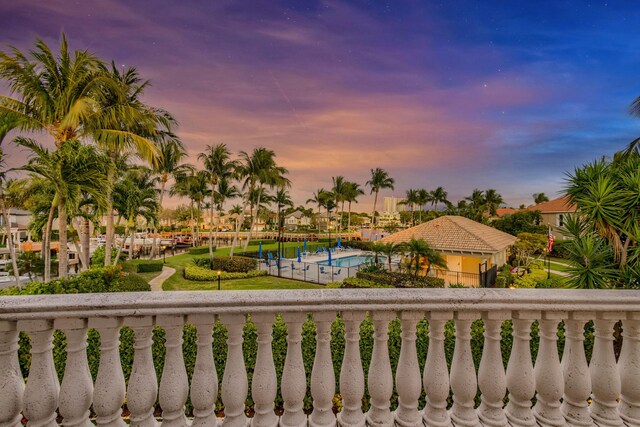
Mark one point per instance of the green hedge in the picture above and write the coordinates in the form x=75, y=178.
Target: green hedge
x=204, y=274
x=149, y=266
x=401, y=280
x=355, y=282
x=263, y=241
x=237, y=264
x=199, y=250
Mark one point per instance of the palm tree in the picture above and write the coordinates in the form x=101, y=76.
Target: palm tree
x=540, y=198
x=353, y=191
x=422, y=198
x=380, y=179
x=317, y=199
x=390, y=249
x=172, y=152
x=70, y=170
x=418, y=249
x=492, y=200
x=236, y=210
x=439, y=195
x=328, y=201
x=218, y=165
x=225, y=191
x=5, y=217
x=339, y=192
x=411, y=200
x=135, y=196
x=259, y=169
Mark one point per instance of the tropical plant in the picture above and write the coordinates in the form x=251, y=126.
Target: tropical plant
x=339, y=190
x=439, y=195
x=411, y=200
x=5, y=216
x=422, y=198
x=225, y=191
x=352, y=192
x=390, y=249
x=540, y=198
x=317, y=200
x=380, y=180
x=418, y=249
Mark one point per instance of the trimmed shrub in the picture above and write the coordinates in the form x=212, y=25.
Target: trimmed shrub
x=131, y=283
x=97, y=259
x=237, y=264
x=199, y=250
x=264, y=242
x=356, y=282
x=401, y=280
x=150, y=266
x=552, y=283
x=204, y=274
x=202, y=261
x=530, y=280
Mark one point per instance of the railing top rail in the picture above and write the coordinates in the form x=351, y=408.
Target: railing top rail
x=247, y=302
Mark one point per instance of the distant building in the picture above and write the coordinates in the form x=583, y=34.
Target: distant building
x=554, y=214
x=19, y=222
x=296, y=219
x=390, y=213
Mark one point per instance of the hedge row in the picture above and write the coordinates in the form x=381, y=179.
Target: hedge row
x=204, y=274
x=263, y=241
x=199, y=250
x=149, y=266
x=401, y=280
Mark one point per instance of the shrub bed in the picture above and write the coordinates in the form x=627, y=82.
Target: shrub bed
x=355, y=282
x=204, y=274
x=401, y=280
x=256, y=242
x=149, y=266
x=237, y=264
x=199, y=250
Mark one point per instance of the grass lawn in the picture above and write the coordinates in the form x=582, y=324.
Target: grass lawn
x=178, y=283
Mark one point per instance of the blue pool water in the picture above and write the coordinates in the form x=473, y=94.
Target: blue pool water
x=351, y=261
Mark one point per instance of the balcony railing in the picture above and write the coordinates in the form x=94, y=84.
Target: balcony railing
x=573, y=391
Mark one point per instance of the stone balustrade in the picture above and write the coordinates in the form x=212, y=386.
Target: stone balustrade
x=568, y=390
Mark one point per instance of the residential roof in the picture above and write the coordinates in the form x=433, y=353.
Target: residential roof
x=561, y=204
x=456, y=234
x=500, y=212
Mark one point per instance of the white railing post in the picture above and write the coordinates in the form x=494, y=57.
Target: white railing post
x=520, y=376
x=629, y=367
x=464, y=383
x=41, y=392
x=264, y=386
x=204, y=382
x=577, y=381
x=234, y=380
x=408, y=380
x=351, y=373
x=142, y=391
x=605, y=378
x=11, y=381
x=492, y=379
x=380, y=377
x=174, y=383
x=548, y=373
x=76, y=390
x=109, y=390
x=436, y=373
x=323, y=381
x=294, y=381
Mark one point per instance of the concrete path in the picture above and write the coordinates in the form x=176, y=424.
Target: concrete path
x=156, y=282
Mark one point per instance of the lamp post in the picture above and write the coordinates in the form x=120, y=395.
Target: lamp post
x=164, y=254
x=219, y=274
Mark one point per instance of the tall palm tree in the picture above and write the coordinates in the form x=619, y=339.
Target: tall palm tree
x=70, y=170
x=492, y=200
x=390, y=249
x=412, y=198
x=218, y=165
x=236, y=210
x=5, y=216
x=317, y=200
x=195, y=186
x=225, y=191
x=422, y=198
x=353, y=191
x=259, y=169
x=418, y=249
x=171, y=153
x=339, y=189
x=439, y=195
x=329, y=203
x=380, y=179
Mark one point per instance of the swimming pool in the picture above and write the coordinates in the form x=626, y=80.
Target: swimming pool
x=351, y=261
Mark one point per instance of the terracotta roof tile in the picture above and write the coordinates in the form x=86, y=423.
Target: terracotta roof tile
x=561, y=204
x=456, y=233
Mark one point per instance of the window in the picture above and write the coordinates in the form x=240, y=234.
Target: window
x=560, y=220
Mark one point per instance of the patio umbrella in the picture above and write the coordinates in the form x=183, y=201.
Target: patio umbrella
x=339, y=242
x=260, y=250
x=329, y=252
x=304, y=245
x=299, y=260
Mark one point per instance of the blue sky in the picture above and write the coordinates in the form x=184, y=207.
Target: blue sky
x=460, y=94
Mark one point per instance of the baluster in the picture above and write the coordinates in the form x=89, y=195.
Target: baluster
x=380, y=377
x=142, y=392
x=109, y=391
x=492, y=379
x=76, y=391
x=11, y=381
x=323, y=381
x=577, y=382
x=408, y=381
x=174, y=384
x=294, y=383
x=520, y=376
x=436, y=373
x=548, y=373
x=204, y=383
x=41, y=392
x=351, y=373
x=264, y=386
x=605, y=378
x=234, y=380
x=464, y=383
x=629, y=366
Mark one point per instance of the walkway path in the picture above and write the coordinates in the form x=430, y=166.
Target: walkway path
x=156, y=282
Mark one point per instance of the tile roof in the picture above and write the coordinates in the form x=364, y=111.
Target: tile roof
x=456, y=233
x=561, y=204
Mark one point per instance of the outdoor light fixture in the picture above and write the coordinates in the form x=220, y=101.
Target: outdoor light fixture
x=219, y=274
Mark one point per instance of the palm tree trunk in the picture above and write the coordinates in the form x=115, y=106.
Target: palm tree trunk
x=253, y=219
x=235, y=237
x=85, y=242
x=193, y=226
x=217, y=230
x=133, y=233
x=211, y=229
x=63, y=252
x=12, y=250
x=83, y=266
x=124, y=239
x=341, y=212
x=46, y=244
x=349, y=218
x=154, y=242
x=373, y=216
x=108, y=244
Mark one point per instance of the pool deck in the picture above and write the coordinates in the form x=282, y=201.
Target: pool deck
x=314, y=258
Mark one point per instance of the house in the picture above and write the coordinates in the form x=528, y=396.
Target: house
x=19, y=222
x=295, y=220
x=467, y=246
x=554, y=213
x=326, y=223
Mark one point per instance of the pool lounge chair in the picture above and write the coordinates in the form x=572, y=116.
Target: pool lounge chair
x=337, y=273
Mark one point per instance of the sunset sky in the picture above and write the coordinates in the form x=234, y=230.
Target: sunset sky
x=459, y=94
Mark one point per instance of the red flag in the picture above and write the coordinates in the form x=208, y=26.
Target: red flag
x=549, y=241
